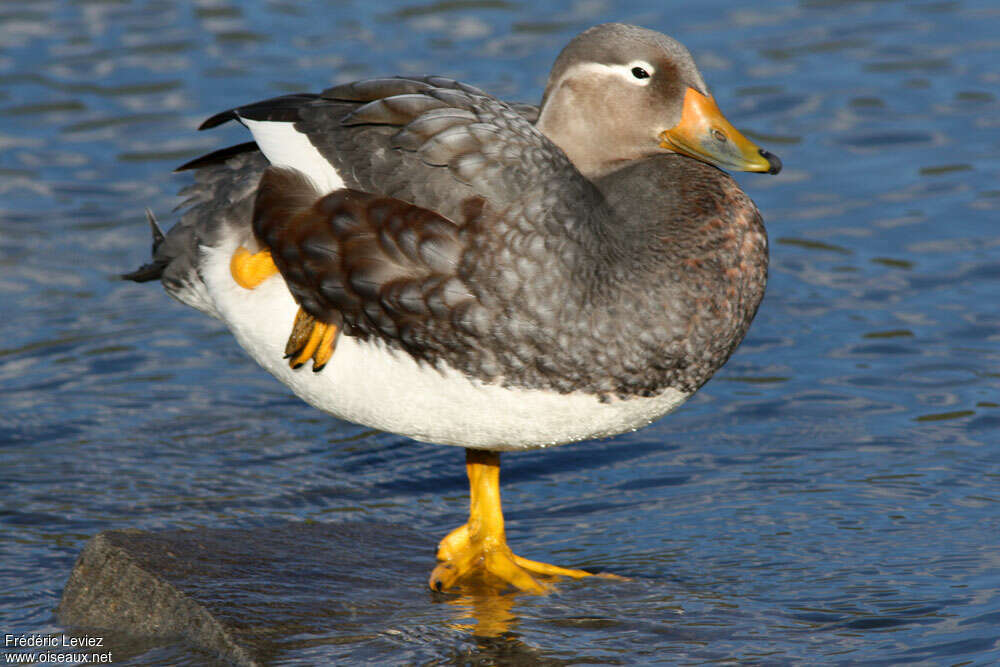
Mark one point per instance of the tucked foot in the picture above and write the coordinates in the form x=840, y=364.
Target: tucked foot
x=478, y=550
x=251, y=269
x=310, y=339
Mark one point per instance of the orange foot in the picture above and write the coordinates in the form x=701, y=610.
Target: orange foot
x=310, y=339
x=478, y=549
x=250, y=270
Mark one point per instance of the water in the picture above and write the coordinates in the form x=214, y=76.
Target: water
x=831, y=496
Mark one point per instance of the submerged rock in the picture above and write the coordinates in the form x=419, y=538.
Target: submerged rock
x=245, y=595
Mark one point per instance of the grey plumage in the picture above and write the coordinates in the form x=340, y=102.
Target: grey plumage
x=469, y=272
x=219, y=201
x=643, y=276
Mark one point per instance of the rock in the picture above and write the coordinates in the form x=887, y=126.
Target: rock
x=245, y=595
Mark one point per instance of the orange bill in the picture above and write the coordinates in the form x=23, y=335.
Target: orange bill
x=706, y=135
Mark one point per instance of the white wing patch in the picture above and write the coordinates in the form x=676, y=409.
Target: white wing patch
x=284, y=146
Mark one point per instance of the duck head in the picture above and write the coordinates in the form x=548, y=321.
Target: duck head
x=619, y=93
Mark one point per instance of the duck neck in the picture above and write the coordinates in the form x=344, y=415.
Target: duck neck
x=562, y=120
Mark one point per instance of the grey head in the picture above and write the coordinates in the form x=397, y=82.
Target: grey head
x=619, y=93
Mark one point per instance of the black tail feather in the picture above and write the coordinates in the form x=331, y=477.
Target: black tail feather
x=218, y=119
x=153, y=270
x=219, y=156
x=155, y=228
x=282, y=109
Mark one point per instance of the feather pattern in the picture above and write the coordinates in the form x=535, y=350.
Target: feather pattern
x=500, y=276
x=376, y=265
x=467, y=239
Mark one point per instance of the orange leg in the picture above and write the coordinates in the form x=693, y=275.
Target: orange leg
x=480, y=546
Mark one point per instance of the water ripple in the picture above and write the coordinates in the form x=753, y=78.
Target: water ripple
x=830, y=497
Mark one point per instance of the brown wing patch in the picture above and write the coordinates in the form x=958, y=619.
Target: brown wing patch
x=366, y=264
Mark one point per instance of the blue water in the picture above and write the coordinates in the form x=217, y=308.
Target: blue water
x=832, y=496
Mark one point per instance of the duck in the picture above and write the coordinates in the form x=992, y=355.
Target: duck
x=420, y=257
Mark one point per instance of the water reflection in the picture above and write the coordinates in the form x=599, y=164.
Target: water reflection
x=484, y=613
x=831, y=496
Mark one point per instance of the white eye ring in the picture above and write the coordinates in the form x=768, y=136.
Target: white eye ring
x=638, y=72
x=624, y=71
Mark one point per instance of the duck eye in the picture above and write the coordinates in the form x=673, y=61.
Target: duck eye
x=640, y=73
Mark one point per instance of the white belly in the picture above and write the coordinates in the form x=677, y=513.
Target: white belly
x=367, y=383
